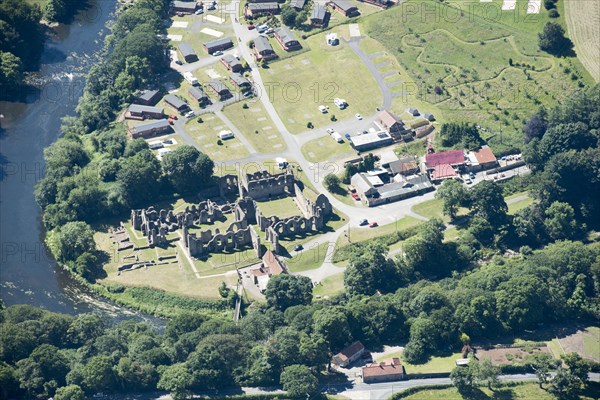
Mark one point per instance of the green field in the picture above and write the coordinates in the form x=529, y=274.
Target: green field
x=256, y=125
x=205, y=134
x=434, y=209
x=525, y=391
x=309, y=258
x=192, y=33
x=305, y=81
x=360, y=234
x=519, y=205
x=326, y=149
x=330, y=286
x=467, y=57
x=435, y=364
x=283, y=208
x=591, y=343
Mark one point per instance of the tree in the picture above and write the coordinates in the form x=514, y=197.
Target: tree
x=70, y=392
x=552, y=40
x=536, y=126
x=332, y=324
x=560, y=222
x=285, y=290
x=564, y=137
x=464, y=135
x=454, y=195
x=98, y=375
x=463, y=378
x=43, y=371
x=487, y=373
x=72, y=240
x=11, y=72
x=542, y=363
x=487, y=201
x=138, y=179
x=332, y=182
x=425, y=252
x=176, y=379
x=370, y=271
x=288, y=16
x=135, y=375
x=187, y=169
x=85, y=328
x=299, y=382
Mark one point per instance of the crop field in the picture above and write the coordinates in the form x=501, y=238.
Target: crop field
x=582, y=19
x=474, y=67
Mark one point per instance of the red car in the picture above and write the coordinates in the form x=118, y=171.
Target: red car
x=373, y=224
x=355, y=196
x=173, y=116
x=250, y=27
x=171, y=122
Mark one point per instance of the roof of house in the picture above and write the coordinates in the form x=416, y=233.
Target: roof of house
x=197, y=93
x=412, y=110
x=387, y=367
x=262, y=6
x=395, y=189
x=297, y=3
x=231, y=60
x=361, y=183
x=186, y=50
x=285, y=34
x=485, y=155
x=218, y=86
x=238, y=79
x=218, y=42
x=452, y=157
x=147, y=95
x=388, y=118
x=443, y=171
x=403, y=165
x=350, y=351
x=318, y=12
x=387, y=157
x=185, y=4
x=139, y=108
x=428, y=116
x=273, y=264
x=148, y=126
x=261, y=44
x=343, y=4
x=175, y=101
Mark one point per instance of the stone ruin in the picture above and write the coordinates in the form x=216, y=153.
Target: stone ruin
x=263, y=185
x=120, y=237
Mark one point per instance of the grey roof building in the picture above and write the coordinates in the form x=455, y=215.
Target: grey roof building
x=318, y=16
x=231, y=63
x=373, y=192
x=257, y=9
x=287, y=39
x=147, y=97
x=150, y=129
x=198, y=94
x=297, y=4
x=370, y=141
x=239, y=81
x=263, y=49
x=185, y=6
x=220, y=89
x=219, y=44
x=176, y=102
x=187, y=52
x=146, y=111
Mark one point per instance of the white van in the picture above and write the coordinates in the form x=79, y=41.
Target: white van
x=224, y=135
x=338, y=138
x=190, y=78
x=323, y=109
x=282, y=163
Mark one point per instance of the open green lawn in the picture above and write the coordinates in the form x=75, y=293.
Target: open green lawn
x=525, y=391
x=435, y=364
x=591, y=342
x=193, y=34
x=205, y=134
x=415, y=148
x=360, y=234
x=519, y=205
x=467, y=56
x=255, y=119
x=307, y=80
x=309, y=258
x=330, y=286
x=326, y=149
x=433, y=209
x=283, y=208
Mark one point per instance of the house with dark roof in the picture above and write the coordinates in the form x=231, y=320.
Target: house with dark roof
x=232, y=63
x=424, y=131
x=297, y=4
x=147, y=98
x=373, y=191
x=287, y=39
x=187, y=52
x=429, y=117
x=413, y=111
x=253, y=10
x=141, y=112
x=319, y=16
x=177, y=103
x=219, y=89
x=263, y=49
x=186, y=7
x=386, y=371
x=391, y=123
x=198, y=95
x=407, y=165
x=349, y=354
x=239, y=81
x=218, y=45
x=344, y=7
x=149, y=129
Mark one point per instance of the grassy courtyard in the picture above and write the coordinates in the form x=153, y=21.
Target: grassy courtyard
x=283, y=208
x=461, y=63
x=326, y=149
x=205, y=134
x=256, y=126
x=305, y=81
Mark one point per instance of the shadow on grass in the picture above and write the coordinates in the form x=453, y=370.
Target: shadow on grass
x=478, y=394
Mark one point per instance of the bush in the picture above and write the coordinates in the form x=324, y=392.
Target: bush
x=553, y=13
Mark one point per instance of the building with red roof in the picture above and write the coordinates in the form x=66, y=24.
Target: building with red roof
x=454, y=158
x=389, y=370
x=441, y=172
x=349, y=354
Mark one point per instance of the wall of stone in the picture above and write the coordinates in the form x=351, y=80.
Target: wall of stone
x=262, y=185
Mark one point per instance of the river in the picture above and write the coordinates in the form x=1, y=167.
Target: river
x=28, y=273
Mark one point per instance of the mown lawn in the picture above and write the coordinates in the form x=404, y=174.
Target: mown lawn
x=309, y=258
x=360, y=234
x=326, y=149
x=305, y=81
x=467, y=57
x=330, y=286
x=435, y=364
x=205, y=134
x=283, y=208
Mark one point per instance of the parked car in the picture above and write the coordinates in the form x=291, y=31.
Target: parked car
x=189, y=114
x=171, y=122
x=471, y=175
x=211, y=7
x=468, y=181
x=373, y=224
x=269, y=31
x=178, y=62
x=199, y=11
x=363, y=222
x=347, y=136
x=330, y=131
x=218, y=53
x=179, y=14
x=250, y=27
x=355, y=196
x=173, y=116
x=298, y=247
x=358, y=116
x=351, y=189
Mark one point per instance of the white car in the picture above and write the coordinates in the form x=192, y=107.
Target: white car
x=217, y=53
x=358, y=116
x=198, y=12
x=189, y=114
x=330, y=131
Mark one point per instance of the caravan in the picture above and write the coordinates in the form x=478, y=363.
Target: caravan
x=192, y=80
